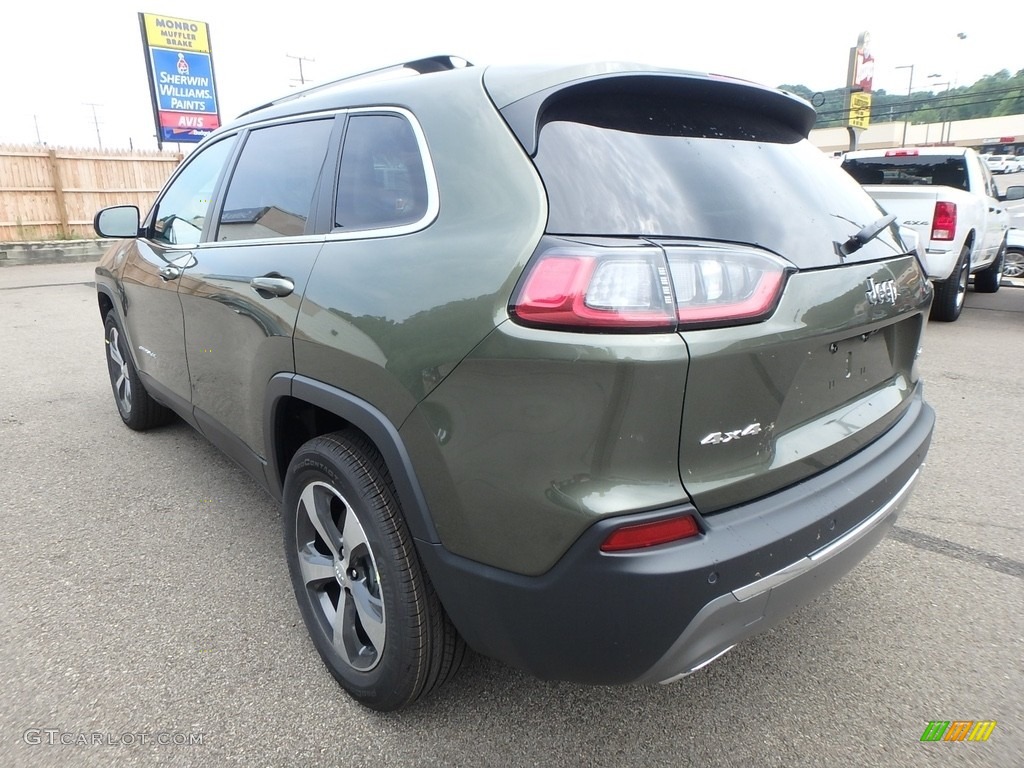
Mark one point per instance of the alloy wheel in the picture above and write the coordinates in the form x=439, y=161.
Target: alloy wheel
x=119, y=375
x=1013, y=266
x=961, y=287
x=340, y=573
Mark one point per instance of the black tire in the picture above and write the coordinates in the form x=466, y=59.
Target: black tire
x=137, y=409
x=988, y=279
x=357, y=562
x=950, y=293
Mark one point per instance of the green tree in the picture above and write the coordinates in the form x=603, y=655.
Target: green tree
x=991, y=96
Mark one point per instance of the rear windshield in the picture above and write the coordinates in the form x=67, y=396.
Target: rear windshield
x=935, y=171
x=617, y=164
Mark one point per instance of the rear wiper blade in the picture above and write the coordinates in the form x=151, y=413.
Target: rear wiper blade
x=866, y=235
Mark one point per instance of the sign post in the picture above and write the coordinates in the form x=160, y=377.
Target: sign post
x=179, y=61
x=858, y=81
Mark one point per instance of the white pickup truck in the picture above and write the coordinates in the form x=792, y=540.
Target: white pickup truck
x=947, y=195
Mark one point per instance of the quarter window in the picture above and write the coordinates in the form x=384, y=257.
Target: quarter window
x=382, y=181
x=272, y=188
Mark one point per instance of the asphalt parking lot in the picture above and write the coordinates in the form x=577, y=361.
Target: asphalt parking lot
x=146, y=615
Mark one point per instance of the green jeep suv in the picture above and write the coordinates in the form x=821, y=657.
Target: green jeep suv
x=594, y=370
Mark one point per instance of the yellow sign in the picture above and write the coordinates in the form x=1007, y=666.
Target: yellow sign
x=176, y=34
x=860, y=110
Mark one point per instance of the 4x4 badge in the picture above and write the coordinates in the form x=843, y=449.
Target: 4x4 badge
x=727, y=437
x=881, y=293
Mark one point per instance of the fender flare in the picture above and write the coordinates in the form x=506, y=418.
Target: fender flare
x=365, y=417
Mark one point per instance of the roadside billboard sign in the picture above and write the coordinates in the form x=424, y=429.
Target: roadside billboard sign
x=859, y=82
x=179, y=61
x=860, y=110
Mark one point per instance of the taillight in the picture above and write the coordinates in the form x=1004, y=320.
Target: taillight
x=944, y=221
x=639, y=289
x=720, y=285
x=583, y=288
x=902, y=153
x=643, y=535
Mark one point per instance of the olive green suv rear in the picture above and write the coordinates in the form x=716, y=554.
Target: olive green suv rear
x=594, y=370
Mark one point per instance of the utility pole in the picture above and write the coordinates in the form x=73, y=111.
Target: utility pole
x=302, y=77
x=909, y=112
x=943, y=111
x=95, y=120
x=39, y=138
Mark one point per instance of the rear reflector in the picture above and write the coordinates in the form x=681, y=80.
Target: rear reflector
x=944, y=221
x=644, y=535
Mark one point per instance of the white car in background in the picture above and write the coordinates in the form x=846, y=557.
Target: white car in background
x=1000, y=163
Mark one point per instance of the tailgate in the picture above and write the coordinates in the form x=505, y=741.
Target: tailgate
x=914, y=206
x=771, y=404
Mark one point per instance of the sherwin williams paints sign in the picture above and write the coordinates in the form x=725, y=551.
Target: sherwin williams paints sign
x=179, y=60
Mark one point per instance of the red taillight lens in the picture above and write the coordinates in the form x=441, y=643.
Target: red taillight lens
x=625, y=289
x=639, y=289
x=944, y=221
x=902, y=153
x=644, y=535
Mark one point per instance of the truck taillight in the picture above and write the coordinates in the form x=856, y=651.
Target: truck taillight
x=649, y=289
x=901, y=153
x=944, y=221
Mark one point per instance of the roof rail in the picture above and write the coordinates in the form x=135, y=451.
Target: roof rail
x=423, y=66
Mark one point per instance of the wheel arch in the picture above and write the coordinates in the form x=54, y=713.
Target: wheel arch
x=299, y=409
x=969, y=243
x=105, y=300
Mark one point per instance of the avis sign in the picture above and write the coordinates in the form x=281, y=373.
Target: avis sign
x=179, y=61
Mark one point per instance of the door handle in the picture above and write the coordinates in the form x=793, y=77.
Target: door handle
x=170, y=272
x=272, y=285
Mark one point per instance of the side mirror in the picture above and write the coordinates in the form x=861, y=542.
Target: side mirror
x=1013, y=193
x=120, y=221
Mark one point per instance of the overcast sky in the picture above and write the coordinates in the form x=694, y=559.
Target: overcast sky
x=57, y=61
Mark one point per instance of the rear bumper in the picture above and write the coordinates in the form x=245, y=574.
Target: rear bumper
x=939, y=261
x=655, y=615
x=756, y=606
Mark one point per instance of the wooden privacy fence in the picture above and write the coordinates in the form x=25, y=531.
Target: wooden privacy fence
x=53, y=193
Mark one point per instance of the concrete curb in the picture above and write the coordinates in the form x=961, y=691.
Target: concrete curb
x=54, y=252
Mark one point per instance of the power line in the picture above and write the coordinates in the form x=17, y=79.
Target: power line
x=912, y=107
